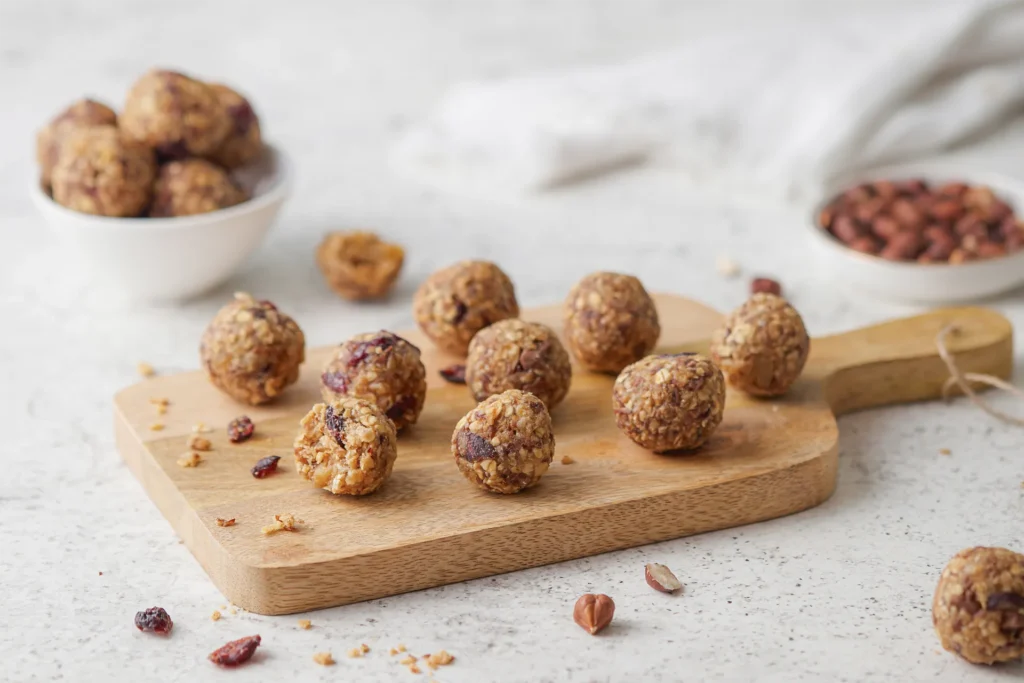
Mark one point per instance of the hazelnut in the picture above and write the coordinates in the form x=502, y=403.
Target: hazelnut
x=593, y=612
x=660, y=578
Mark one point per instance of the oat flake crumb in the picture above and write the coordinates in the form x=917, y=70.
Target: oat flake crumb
x=945, y=451
x=566, y=460
x=407, y=660
x=285, y=522
x=199, y=443
x=201, y=428
x=401, y=648
x=233, y=610
x=156, y=427
x=305, y=624
x=225, y=522
x=190, y=460
x=215, y=616
x=323, y=658
x=365, y=648
x=355, y=652
x=144, y=369
x=391, y=652
x=442, y=658
x=413, y=669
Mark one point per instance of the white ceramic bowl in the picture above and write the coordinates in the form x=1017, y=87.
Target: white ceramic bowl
x=931, y=283
x=169, y=259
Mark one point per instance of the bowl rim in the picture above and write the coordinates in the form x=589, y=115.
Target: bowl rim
x=280, y=188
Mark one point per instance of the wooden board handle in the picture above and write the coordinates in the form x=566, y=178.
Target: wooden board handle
x=898, y=361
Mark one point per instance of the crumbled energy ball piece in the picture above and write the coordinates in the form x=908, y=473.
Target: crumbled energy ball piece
x=359, y=265
x=81, y=114
x=176, y=115
x=456, y=302
x=243, y=142
x=323, y=658
x=762, y=346
x=380, y=367
x=190, y=460
x=193, y=186
x=305, y=624
x=225, y=522
x=668, y=403
x=101, y=172
x=513, y=354
x=346, y=446
x=285, y=522
x=610, y=321
x=978, y=610
x=252, y=351
x=505, y=444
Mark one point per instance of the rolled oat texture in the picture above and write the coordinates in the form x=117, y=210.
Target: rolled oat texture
x=762, y=346
x=456, y=302
x=669, y=403
x=251, y=350
x=346, y=446
x=505, y=444
x=382, y=368
x=81, y=114
x=978, y=610
x=359, y=265
x=101, y=172
x=610, y=321
x=243, y=142
x=193, y=186
x=513, y=354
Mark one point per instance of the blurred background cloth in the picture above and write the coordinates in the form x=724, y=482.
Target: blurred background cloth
x=783, y=106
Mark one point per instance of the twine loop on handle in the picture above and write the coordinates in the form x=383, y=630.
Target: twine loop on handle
x=963, y=380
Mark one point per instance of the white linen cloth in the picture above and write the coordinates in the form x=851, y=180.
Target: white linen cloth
x=784, y=106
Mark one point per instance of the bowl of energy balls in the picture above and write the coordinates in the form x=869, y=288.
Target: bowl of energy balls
x=167, y=198
x=923, y=234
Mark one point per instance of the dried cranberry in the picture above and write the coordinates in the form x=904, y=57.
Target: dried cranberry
x=154, y=619
x=265, y=466
x=456, y=374
x=383, y=341
x=335, y=425
x=765, y=285
x=335, y=381
x=400, y=406
x=460, y=311
x=1011, y=601
x=236, y=652
x=240, y=429
x=475, y=447
x=242, y=116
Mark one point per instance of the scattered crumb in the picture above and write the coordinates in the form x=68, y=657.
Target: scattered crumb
x=726, y=267
x=391, y=652
x=200, y=428
x=160, y=401
x=401, y=648
x=323, y=659
x=223, y=606
x=566, y=460
x=305, y=624
x=233, y=610
x=285, y=522
x=144, y=369
x=101, y=573
x=161, y=409
x=223, y=522
x=945, y=451
x=355, y=652
x=1021, y=485
x=413, y=669
x=190, y=460
x=441, y=658
x=156, y=427
x=215, y=616
x=407, y=660
x=365, y=648
x=199, y=443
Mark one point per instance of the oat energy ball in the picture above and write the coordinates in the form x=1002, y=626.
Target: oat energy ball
x=610, y=321
x=81, y=114
x=505, y=444
x=978, y=610
x=244, y=141
x=762, y=346
x=193, y=186
x=382, y=368
x=102, y=173
x=456, y=302
x=359, y=265
x=669, y=403
x=513, y=354
x=176, y=115
x=346, y=446
x=252, y=351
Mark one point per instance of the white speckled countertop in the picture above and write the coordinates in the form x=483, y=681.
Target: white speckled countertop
x=841, y=592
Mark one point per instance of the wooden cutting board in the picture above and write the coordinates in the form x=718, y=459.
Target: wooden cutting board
x=428, y=526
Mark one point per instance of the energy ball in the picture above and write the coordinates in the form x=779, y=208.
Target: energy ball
x=505, y=444
x=359, y=265
x=81, y=114
x=978, y=610
x=244, y=141
x=346, y=446
x=610, y=321
x=669, y=403
x=252, y=351
x=762, y=346
x=513, y=354
x=382, y=368
x=456, y=302
x=176, y=115
x=193, y=186
x=101, y=172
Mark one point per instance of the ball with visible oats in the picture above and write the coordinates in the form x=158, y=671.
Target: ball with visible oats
x=762, y=346
x=251, y=350
x=669, y=403
x=176, y=115
x=82, y=114
x=347, y=446
x=505, y=444
x=102, y=173
x=978, y=609
x=193, y=186
x=610, y=321
x=513, y=354
x=244, y=141
x=456, y=302
x=380, y=367
x=359, y=265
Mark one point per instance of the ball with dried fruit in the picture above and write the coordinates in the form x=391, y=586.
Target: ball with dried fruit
x=252, y=351
x=347, y=446
x=244, y=141
x=359, y=265
x=610, y=321
x=513, y=354
x=193, y=186
x=456, y=302
x=978, y=610
x=505, y=444
x=82, y=114
x=380, y=367
x=101, y=172
x=762, y=346
x=669, y=403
